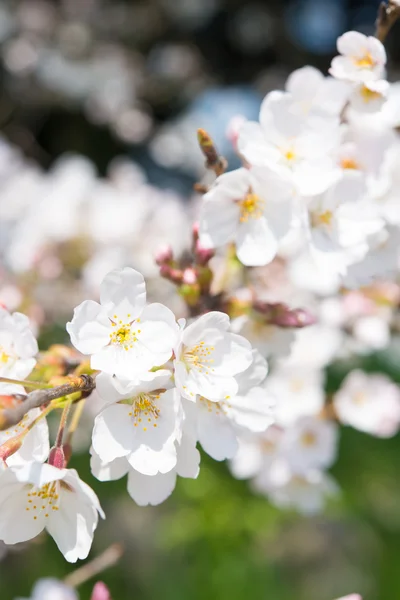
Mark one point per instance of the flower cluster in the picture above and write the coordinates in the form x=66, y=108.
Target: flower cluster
x=314, y=208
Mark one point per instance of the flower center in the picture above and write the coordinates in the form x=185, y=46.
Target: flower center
x=4, y=356
x=145, y=411
x=308, y=439
x=349, y=163
x=43, y=499
x=218, y=408
x=324, y=218
x=251, y=207
x=369, y=95
x=365, y=62
x=125, y=336
x=198, y=357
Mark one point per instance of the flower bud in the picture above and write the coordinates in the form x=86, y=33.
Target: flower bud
x=203, y=255
x=163, y=255
x=281, y=315
x=11, y=446
x=57, y=457
x=100, y=592
x=174, y=275
x=189, y=276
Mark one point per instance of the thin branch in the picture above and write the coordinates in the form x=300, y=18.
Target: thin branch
x=388, y=14
x=109, y=558
x=11, y=416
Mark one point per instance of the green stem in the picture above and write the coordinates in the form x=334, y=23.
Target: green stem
x=31, y=384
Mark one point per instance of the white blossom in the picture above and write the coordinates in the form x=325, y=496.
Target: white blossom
x=37, y=496
x=362, y=59
x=370, y=403
x=252, y=208
x=141, y=423
x=18, y=347
x=208, y=357
x=123, y=336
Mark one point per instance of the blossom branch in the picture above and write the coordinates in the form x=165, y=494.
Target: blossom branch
x=388, y=14
x=38, y=398
x=109, y=558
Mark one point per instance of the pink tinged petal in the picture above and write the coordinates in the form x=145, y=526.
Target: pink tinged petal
x=153, y=490
x=113, y=433
x=108, y=471
x=219, y=219
x=100, y=592
x=90, y=327
x=256, y=243
x=215, y=432
x=253, y=411
x=188, y=458
x=124, y=285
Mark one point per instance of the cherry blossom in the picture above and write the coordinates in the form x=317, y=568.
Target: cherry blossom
x=362, y=58
x=208, y=357
x=18, y=347
x=37, y=496
x=123, y=336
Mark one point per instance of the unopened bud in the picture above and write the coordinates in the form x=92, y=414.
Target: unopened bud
x=203, y=255
x=57, y=457
x=11, y=447
x=281, y=315
x=190, y=293
x=189, y=276
x=100, y=592
x=164, y=255
x=174, y=275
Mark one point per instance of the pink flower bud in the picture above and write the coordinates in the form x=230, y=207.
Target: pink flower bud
x=10, y=447
x=100, y=592
x=281, y=315
x=195, y=231
x=189, y=276
x=164, y=255
x=203, y=255
x=174, y=275
x=57, y=458
x=351, y=597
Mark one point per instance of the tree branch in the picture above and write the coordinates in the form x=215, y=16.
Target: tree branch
x=387, y=17
x=38, y=398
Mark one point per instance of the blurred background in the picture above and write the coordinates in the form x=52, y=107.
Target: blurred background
x=106, y=79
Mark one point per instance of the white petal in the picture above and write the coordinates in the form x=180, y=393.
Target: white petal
x=113, y=432
x=90, y=327
x=124, y=284
x=256, y=244
x=153, y=490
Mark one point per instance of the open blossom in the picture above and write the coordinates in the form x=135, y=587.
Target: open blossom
x=141, y=424
x=252, y=208
x=37, y=496
x=150, y=489
x=363, y=58
x=123, y=336
x=370, y=403
x=18, y=348
x=306, y=493
x=342, y=218
x=208, y=356
x=216, y=425
x=299, y=147
x=314, y=93
x=310, y=443
x=369, y=96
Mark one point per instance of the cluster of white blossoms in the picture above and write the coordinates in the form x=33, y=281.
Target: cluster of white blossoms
x=316, y=207
x=319, y=175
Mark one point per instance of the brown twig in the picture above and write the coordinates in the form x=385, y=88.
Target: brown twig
x=37, y=398
x=109, y=558
x=387, y=17
x=214, y=161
